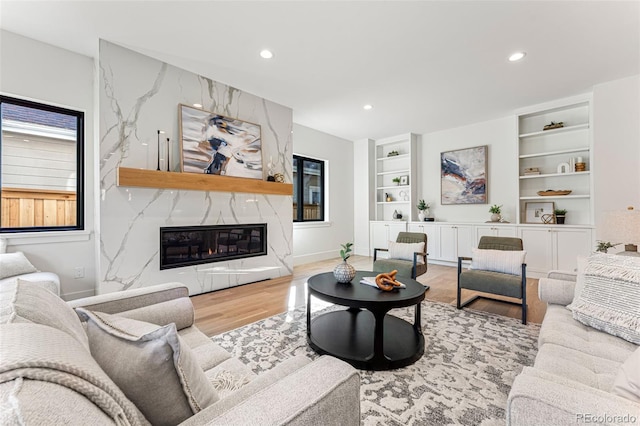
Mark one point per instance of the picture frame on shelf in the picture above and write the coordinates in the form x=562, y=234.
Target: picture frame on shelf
x=214, y=144
x=534, y=211
x=404, y=180
x=463, y=176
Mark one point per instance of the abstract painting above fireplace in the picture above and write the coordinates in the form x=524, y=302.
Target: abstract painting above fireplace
x=192, y=245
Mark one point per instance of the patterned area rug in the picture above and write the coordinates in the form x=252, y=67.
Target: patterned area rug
x=471, y=359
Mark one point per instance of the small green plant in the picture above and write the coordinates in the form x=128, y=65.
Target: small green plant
x=495, y=209
x=603, y=246
x=396, y=180
x=560, y=212
x=422, y=205
x=393, y=153
x=346, y=249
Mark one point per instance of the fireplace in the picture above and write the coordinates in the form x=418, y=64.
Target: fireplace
x=194, y=245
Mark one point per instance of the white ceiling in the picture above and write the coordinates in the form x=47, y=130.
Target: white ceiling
x=423, y=65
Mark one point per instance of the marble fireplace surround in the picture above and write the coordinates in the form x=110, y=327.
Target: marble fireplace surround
x=139, y=95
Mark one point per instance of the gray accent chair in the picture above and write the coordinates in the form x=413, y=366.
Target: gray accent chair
x=405, y=268
x=491, y=282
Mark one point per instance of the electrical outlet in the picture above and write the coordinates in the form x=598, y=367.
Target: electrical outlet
x=78, y=272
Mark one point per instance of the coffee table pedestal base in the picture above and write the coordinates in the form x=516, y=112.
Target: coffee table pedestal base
x=352, y=336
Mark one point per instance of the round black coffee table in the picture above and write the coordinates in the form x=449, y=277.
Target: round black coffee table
x=364, y=335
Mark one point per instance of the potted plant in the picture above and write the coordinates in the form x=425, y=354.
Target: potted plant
x=495, y=210
x=344, y=272
x=560, y=215
x=396, y=180
x=603, y=246
x=423, y=210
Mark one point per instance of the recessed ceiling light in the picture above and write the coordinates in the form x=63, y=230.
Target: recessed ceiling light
x=197, y=105
x=266, y=54
x=517, y=56
x=368, y=107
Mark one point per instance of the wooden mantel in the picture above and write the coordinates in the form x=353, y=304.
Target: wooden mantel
x=198, y=182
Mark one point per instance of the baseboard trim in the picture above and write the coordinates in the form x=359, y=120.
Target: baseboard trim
x=77, y=295
x=314, y=257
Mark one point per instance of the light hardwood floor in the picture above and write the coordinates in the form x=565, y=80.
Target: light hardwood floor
x=224, y=310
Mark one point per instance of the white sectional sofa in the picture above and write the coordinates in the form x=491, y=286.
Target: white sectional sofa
x=57, y=369
x=572, y=380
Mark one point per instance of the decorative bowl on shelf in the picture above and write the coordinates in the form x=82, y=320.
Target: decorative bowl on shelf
x=554, y=192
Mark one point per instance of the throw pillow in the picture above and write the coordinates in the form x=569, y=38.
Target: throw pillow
x=627, y=382
x=48, y=285
x=610, y=298
x=3, y=245
x=152, y=366
x=12, y=264
x=505, y=261
x=405, y=251
x=24, y=301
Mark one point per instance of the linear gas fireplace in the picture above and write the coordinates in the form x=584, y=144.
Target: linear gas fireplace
x=193, y=245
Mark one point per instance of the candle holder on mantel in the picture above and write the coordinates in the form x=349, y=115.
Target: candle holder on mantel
x=168, y=156
x=160, y=132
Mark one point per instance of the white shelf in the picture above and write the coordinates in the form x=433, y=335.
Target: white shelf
x=395, y=187
x=586, y=173
x=556, y=131
x=391, y=172
x=554, y=197
x=561, y=152
x=393, y=157
x=388, y=168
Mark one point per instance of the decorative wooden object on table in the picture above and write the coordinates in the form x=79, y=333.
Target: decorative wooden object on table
x=198, y=182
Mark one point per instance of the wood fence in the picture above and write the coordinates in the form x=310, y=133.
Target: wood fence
x=36, y=207
x=309, y=211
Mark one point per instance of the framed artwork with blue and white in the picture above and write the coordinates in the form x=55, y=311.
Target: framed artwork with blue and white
x=463, y=176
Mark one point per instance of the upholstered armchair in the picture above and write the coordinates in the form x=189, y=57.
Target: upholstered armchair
x=408, y=255
x=497, y=267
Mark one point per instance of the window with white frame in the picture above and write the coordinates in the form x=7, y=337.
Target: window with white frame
x=41, y=167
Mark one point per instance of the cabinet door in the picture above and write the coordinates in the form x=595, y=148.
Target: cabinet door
x=538, y=242
x=464, y=241
x=379, y=235
x=448, y=237
x=394, y=229
x=571, y=243
x=485, y=230
x=432, y=238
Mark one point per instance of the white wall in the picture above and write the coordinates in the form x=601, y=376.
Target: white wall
x=616, y=131
x=45, y=73
x=319, y=241
x=364, y=196
x=502, y=166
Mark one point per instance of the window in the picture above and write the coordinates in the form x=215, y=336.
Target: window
x=308, y=189
x=41, y=167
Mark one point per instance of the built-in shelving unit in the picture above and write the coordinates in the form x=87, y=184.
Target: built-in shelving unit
x=553, y=152
x=388, y=167
x=142, y=178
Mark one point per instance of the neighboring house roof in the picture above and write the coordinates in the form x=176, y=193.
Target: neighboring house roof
x=36, y=116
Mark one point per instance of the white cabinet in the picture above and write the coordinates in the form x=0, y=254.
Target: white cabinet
x=395, y=159
x=383, y=232
x=433, y=237
x=494, y=231
x=554, y=247
x=455, y=241
x=562, y=158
